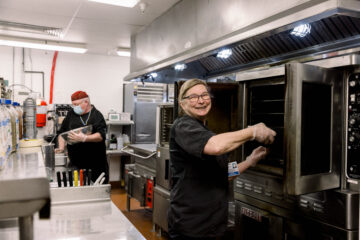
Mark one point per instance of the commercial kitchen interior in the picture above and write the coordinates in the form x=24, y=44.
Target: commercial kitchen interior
x=264, y=60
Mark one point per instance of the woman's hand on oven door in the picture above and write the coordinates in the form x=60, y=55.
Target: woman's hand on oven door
x=256, y=155
x=263, y=134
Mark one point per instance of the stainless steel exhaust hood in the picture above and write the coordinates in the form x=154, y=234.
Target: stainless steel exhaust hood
x=335, y=26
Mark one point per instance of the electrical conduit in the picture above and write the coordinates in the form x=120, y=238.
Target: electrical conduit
x=52, y=76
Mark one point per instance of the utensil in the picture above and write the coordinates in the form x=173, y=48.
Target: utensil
x=99, y=178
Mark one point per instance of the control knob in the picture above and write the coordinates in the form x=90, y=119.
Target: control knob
x=352, y=83
x=351, y=139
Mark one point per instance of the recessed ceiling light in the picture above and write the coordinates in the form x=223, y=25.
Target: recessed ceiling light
x=180, y=67
x=154, y=74
x=124, y=52
x=121, y=3
x=224, y=53
x=301, y=30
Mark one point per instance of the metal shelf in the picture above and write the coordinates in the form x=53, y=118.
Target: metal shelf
x=115, y=152
x=119, y=122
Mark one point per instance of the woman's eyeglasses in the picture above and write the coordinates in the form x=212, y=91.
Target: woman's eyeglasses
x=194, y=98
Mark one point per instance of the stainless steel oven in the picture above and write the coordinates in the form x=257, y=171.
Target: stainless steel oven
x=305, y=108
x=306, y=177
x=164, y=120
x=304, y=181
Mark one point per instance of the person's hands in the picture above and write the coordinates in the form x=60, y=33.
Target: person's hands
x=59, y=150
x=263, y=134
x=77, y=137
x=256, y=155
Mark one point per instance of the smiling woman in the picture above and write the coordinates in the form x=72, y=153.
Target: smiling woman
x=195, y=99
x=199, y=164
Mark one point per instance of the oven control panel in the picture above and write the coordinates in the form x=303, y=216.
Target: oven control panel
x=353, y=126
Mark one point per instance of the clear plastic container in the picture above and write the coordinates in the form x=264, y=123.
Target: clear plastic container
x=13, y=122
x=85, y=130
x=2, y=137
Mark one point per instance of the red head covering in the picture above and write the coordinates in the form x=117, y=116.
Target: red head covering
x=78, y=95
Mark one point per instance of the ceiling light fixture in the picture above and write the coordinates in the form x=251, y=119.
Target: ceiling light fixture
x=180, y=67
x=121, y=3
x=28, y=28
x=42, y=44
x=154, y=74
x=225, y=53
x=301, y=30
x=124, y=52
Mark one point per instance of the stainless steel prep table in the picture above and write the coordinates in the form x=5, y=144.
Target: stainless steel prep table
x=24, y=189
x=75, y=220
x=97, y=220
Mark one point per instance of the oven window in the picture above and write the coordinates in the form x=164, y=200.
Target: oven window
x=266, y=104
x=315, y=128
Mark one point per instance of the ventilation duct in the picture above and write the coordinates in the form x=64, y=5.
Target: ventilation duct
x=335, y=26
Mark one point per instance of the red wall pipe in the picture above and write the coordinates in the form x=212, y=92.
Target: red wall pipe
x=52, y=76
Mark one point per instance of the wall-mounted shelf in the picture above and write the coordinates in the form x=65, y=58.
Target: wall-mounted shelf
x=119, y=122
x=116, y=157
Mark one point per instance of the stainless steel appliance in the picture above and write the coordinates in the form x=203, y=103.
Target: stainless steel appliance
x=303, y=180
x=305, y=183
x=353, y=126
x=304, y=107
x=140, y=176
x=164, y=120
x=141, y=100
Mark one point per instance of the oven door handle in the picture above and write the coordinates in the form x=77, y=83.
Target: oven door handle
x=137, y=155
x=134, y=175
x=166, y=169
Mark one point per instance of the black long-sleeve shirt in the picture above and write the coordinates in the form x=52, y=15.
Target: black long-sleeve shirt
x=199, y=183
x=88, y=155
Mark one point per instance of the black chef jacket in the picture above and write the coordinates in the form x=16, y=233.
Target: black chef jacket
x=199, y=183
x=88, y=155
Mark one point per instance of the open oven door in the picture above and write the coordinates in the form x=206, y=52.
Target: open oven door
x=312, y=128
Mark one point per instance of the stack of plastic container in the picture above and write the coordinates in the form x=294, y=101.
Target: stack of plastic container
x=10, y=128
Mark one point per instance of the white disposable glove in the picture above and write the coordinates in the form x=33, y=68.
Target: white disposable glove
x=59, y=150
x=263, y=134
x=256, y=155
x=77, y=137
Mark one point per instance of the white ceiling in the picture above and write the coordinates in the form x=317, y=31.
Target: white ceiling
x=101, y=27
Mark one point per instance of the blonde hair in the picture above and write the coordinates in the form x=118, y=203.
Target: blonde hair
x=185, y=87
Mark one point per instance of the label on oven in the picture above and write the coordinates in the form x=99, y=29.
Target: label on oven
x=233, y=169
x=251, y=214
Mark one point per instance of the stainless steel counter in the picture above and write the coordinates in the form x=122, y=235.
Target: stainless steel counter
x=99, y=220
x=25, y=188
